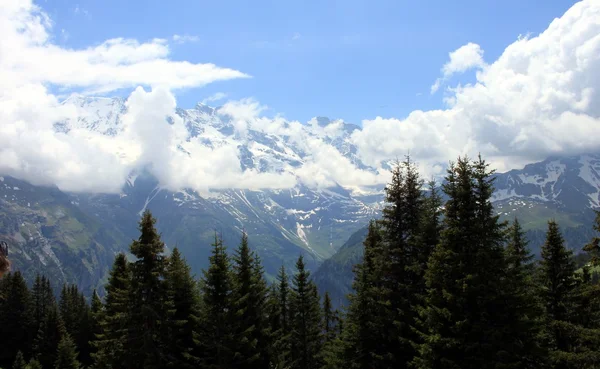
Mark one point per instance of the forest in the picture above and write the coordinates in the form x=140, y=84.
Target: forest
x=442, y=284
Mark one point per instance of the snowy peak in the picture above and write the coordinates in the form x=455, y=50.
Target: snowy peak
x=569, y=182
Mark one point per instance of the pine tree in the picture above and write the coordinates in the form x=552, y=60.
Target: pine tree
x=15, y=317
x=75, y=313
x=464, y=309
x=401, y=224
x=183, y=313
x=217, y=315
x=279, y=318
x=43, y=299
x=570, y=344
x=593, y=248
x=523, y=324
x=332, y=352
x=50, y=333
x=66, y=356
x=96, y=318
x=19, y=362
x=249, y=304
x=306, y=331
x=148, y=294
x=364, y=326
x=110, y=342
x=329, y=320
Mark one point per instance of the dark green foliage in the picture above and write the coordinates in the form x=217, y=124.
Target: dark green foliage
x=523, y=320
x=110, y=341
x=19, y=362
x=183, y=313
x=16, y=317
x=66, y=356
x=217, y=331
x=593, y=248
x=34, y=364
x=148, y=294
x=570, y=342
x=364, y=326
x=306, y=325
x=96, y=318
x=43, y=299
x=464, y=309
x=279, y=320
x=50, y=333
x=75, y=313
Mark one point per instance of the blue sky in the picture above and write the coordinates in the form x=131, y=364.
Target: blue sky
x=352, y=60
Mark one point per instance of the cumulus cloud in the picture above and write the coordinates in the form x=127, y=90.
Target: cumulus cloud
x=539, y=98
x=466, y=57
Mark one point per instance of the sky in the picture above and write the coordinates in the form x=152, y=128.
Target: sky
x=511, y=80
x=350, y=60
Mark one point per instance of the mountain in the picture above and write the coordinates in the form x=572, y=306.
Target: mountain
x=81, y=238
x=566, y=189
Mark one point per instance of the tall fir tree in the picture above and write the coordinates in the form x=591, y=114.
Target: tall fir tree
x=249, y=303
x=306, y=326
x=593, y=248
x=66, y=355
x=75, y=313
x=523, y=321
x=110, y=343
x=402, y=279
x=42, y=299
x=217, y=332
x=50, y=333
x=365, y=325
x=464, y=309
x=279, y=319
x=570, y=344
x=183, y=314
x=148, y=298
x=16, y=317
x=97, y=317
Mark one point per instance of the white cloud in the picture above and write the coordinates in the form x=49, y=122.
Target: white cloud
x=181, y=39
x=464, y=58
x=539, y=98
x=215, y=97
x=296, y=36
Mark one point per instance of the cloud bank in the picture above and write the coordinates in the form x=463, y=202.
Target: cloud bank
x=539, y=98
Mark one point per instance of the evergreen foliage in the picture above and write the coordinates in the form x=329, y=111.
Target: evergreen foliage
x=16, y=318
x=66, y=356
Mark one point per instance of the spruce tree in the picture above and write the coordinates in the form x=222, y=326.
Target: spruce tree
x=365, y=324
x=75, y=313
x=570, y=344
x=523, y=323
x=464, y=309
x=183, y=313
x=19, y=362
x=279, y=319
x=593, y=248
x=42, y=299
x=66, y=356
x=148, y=295
x=110, y=343
x=96, y=317
x=15, y=317
x=329, y=320
x=50, y=333
x=249, y=304
x=402, y=279
x=306, y=326
x=34, y=364
x=217, y=332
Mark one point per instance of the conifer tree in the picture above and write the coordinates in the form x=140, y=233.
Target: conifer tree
x=249, y=304
x=183, y=313
x=19, y=362
x=217, y=333
x=75, y=313
x=570, y=344
x=365, y=327
x=402, y=279
x=110, y=342
x=306, y=331
x=50, y=333
x=464, y=309
x=148, y=295
x=329, y=320
x=15, y=317
x=593, y=248
x=43, y=299
x=523, y=323
x=66, y=356
x=96, y=317
x=279, y=318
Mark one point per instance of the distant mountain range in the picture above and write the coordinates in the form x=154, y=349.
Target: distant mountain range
x=73, y=236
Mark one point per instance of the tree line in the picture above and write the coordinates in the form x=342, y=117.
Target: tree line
x=442, y=284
